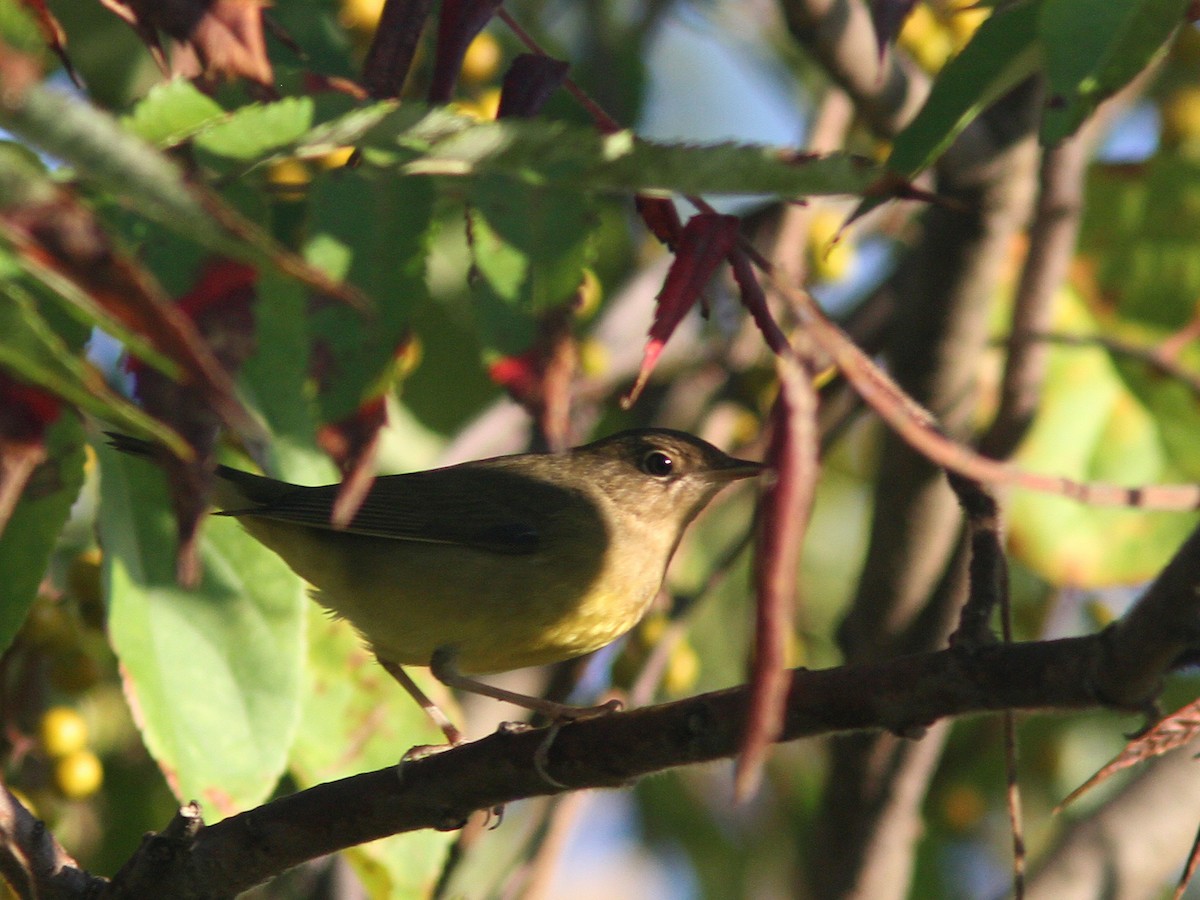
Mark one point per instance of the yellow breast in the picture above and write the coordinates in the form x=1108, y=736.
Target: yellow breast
x=497, y=611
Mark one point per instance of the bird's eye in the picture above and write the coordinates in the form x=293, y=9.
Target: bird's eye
x=658, y=464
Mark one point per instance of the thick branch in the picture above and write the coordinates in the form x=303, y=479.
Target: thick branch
x=903, y=696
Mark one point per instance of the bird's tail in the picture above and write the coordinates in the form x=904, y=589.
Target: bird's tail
x=237, y=492
x=129, y=444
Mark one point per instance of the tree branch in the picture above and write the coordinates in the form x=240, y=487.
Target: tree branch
x=886, y=89
x=1120, y=668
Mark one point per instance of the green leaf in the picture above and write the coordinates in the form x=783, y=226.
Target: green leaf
x=1094, y=49
x=370, y=229
x=435, y=141
x=143, y=178
x=30, y=535
x=171, y=112
x=257, y=129
x=1091, y=426
x=356, y=718
x=34, y=350
x=528, y=248
x=94, y=143
x=214, y=673
x=276, y=381
x=1002, y=52
x=19, y=30
x=1138, y=234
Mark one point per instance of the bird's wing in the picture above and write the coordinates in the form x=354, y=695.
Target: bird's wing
x=493, y=510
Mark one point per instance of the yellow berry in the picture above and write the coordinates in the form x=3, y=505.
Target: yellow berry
x=488, y=103
x=335, y=159
x=360, y=15
x=652, y=629
x=594, y=358
x=963, y=806
x=683, y=669
x=925, y=38
x=1181, y=116
x=49, y=626
x=289, y=178
x=78, y=775
x=62, y=731
x=827, y=260
x=482, y=59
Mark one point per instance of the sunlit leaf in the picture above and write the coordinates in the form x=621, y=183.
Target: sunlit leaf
x=1092, y=426
x=1093, y=49
x=171, y=112
x=214, y=674
x=528, y=252
x=370, y=230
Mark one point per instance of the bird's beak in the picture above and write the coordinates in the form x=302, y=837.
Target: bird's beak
x=735, y=469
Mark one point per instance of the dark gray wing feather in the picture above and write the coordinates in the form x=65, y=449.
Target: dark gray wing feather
x=492, y=509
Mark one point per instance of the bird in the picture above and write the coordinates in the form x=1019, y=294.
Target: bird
x=494, y=564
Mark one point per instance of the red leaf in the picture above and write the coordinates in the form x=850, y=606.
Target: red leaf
x=25, y=414
x=223, y=284
x=784, y=511
x=755, y=301
x=661, y=218
x=53, y=35
x=540, y=377
x=528, y=84
x=394, y=46
x=516, y=374
x=1169, y=733
x=219, y=39
x=460, y=22
x=704, y=242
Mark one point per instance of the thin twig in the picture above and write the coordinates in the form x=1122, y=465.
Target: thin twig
x=1157, y=359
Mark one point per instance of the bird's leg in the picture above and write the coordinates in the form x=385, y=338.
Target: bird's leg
x=453, y=736
x=443, y=669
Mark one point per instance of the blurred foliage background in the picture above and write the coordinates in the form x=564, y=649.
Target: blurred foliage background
x=125, y=692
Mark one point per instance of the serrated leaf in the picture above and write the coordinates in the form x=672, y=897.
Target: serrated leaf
x=257, y=129
x=30, y=534
x=214, y=674
x=369, y=229
x=276, y=380
x=528, y=250
x=171, y=112
x=1092, y=50
x=1003, y=51
x=144, y=179
x=435, y=141
x=1091, y=426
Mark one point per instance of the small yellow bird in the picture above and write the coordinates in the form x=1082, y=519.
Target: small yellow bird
x=494, y=564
